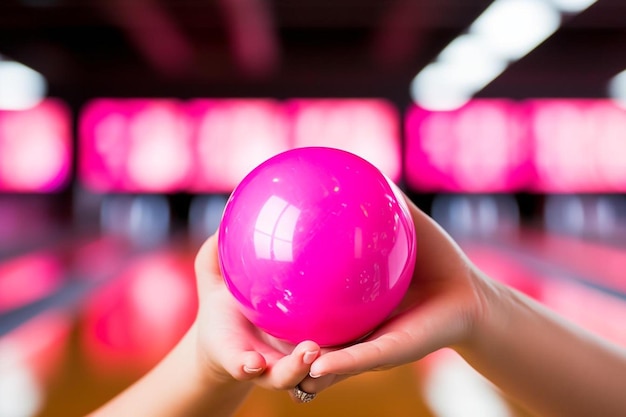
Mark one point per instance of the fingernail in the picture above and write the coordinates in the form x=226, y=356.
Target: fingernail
x=251, y=370
x=309, y=357
x=312, y=375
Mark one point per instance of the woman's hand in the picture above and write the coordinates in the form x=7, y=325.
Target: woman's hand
x=446, y=298
x=551, y=366
x=230, y=347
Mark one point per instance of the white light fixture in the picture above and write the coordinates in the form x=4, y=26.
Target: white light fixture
x=474, y=63
x=505, y=32
x=464, y=67
x=437, y=87
x=513, y=28
x=572, y=6
x=20, y=86
x=617, y=89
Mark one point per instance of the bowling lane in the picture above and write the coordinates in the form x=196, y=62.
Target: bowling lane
x=589, y=299
x=145, y=299
x=47, y=296
x=46, y=276
x=591, y=262
x=56, y=276
x=126, y=326
x=585, y=299
x=121, y=330
x=573, y=261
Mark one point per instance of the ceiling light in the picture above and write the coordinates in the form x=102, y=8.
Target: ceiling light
x=20, y=86
x=572, y=6
x=437, y=87
x=463, y=68
x=617, y=89
x=474, y=65
x=513, y=28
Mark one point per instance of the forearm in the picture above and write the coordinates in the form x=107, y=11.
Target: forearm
x=550, y=365
x=179, y=386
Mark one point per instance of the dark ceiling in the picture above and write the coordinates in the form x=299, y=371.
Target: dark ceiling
x=285, y=48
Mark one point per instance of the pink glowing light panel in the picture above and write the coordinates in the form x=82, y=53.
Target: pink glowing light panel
x=209, y=145
x=579, y=145
x=231, y=137
x=477, y=148
x=35, y=148
x=135, y=145
x=369, y=128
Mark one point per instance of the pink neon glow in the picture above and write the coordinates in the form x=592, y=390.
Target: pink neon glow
x=369, y=128
x=135, y=320
x=477, y=148
x=579, y=145
x=35, y=148
x=134, y=145
x=39, y=343
x=231, y=137
x=28, y=278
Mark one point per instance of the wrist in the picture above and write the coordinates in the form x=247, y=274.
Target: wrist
x=490, y=314
x=181, y=384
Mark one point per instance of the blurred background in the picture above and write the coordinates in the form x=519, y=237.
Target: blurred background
x=124, y=126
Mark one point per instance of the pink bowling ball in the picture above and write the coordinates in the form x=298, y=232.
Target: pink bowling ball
x=317, y=244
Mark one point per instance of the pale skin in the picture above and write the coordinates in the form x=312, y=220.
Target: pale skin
x=548, y=365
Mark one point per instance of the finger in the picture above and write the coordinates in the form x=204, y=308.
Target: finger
x=405, y=338
x=290, y=369
x=319, y=384
x=379, y=353
x=206, y=264
x=241, y=363
x=232, y=339
x=252, y=364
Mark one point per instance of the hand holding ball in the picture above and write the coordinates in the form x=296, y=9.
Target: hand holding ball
x=317, y=244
